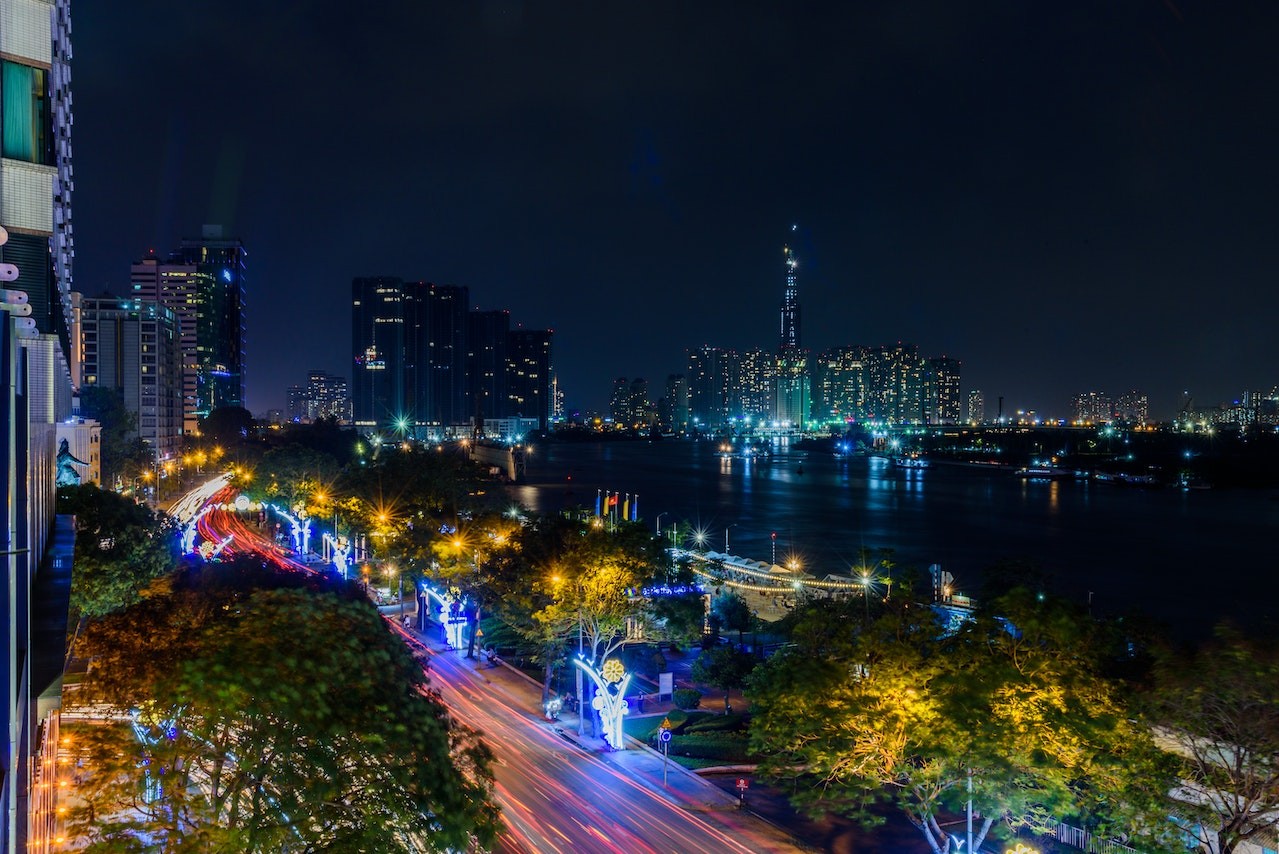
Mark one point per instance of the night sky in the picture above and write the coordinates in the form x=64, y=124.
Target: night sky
x=1065, y=196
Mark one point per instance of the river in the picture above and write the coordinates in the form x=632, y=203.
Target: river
x=1184, y=559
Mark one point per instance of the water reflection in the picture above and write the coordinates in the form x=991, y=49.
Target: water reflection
x=963, y=519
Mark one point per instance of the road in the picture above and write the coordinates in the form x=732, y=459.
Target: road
x=555, y=796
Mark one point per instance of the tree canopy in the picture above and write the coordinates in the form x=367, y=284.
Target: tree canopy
x=270, y=719
x=1218, y=711
x=121, y=546
x=905, y=715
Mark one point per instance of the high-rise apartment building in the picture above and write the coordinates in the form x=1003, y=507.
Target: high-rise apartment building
x=528, y=373
x=203, y=282
x=35, y=394
x=942, y=401
x=295, y=403
x=1133, y=407
x=447, y=386
x=327, y=396
x=1092, y=407
x=133, y=347
x=752, y=385
x=839, y=385
x=976, y=407
x=708, y=384
x=677, y=403
x=486, y=341
x=619, y=402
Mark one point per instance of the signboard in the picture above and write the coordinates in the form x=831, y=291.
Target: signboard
x=742, y=784
x=665, y=685
x=665, y=736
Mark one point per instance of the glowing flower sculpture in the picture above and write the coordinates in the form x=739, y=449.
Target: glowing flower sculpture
x=610, y=697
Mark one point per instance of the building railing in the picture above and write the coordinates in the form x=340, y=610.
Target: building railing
x=1084, y=841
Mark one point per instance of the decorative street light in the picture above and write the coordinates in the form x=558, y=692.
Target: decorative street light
x=611, y=681
x=659, y=522
x=734, y=525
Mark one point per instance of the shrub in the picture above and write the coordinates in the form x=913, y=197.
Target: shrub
x=686, y=698
x=718, y=723
x=728, y=747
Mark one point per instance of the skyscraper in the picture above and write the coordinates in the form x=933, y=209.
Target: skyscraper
x=220, y=264
x=793, y=402
x=132, y=347
x=942, y=403
x=203, y=282
x=486, y=361
x=528, y=374
x=378, y=342
x=35, y=393
x=446, y=355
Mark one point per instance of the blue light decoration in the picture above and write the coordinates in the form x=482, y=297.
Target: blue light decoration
x=610, y=681
x=226, y=274
x=189, y=532
x=671, y=590
x=296, y=528
x=453, y=619
x=341, y=550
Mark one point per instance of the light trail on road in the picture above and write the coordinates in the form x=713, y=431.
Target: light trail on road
x=554, y=795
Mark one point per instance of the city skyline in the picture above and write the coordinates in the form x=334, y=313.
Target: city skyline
x=1065, y=199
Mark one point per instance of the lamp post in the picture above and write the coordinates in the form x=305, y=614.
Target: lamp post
x=734, y=525
x=394, y=573
x=866, y=593
x=659, y=522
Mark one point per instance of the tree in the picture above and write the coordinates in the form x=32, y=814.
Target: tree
x=290, y=719
x=227, y=426
x=733, y=614
x=724, y=667
x=121, y=546
x=1219, y=713
x=294, y=473
x=911, y=717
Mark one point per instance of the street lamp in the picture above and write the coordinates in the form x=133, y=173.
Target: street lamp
x=659, y=522
x=866, y=580
x=734, y=525
x=394, y=573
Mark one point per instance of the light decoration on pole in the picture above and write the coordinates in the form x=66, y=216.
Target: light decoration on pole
x=189, y=532
x=452, y=615
x=209, y=550
x=610, y=681
x=341, y=550
x=300, y=530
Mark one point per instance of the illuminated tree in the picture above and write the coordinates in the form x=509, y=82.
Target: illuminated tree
x=1219, y=713
x=908, y=716
x=285, y=719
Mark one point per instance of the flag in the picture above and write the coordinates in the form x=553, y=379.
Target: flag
x=626, y=507
x=635, y=508
x=597, y=502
